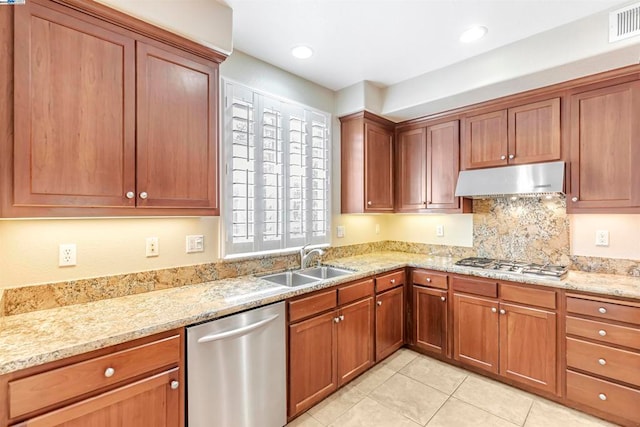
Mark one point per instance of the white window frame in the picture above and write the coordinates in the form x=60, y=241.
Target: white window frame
x=259, y=100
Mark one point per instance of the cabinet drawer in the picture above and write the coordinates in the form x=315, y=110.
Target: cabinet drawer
x=485, y=288
x=429, y=278
x=606, y=361
x=605, y=332
x=530, y=296
x=308, y=306
x=45, y=389
x=604, y=310
x=608, y=397
x=389, y=281
x=355, y=291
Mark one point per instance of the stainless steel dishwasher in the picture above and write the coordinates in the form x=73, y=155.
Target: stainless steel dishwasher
x=236, y=370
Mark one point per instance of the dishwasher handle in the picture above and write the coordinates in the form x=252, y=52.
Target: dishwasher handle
x=236, y=332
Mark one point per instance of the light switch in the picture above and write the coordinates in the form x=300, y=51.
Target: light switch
x=195, y=243
x=340, y=231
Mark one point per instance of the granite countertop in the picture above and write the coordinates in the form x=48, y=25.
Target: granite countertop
x=39, y=337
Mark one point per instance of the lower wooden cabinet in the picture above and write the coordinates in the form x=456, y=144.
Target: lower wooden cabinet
x=313, y=361
x=390, y=311
x=137, y=384
x=329, y=348
x=476, y=331
x=430, y=319
x=515, y=341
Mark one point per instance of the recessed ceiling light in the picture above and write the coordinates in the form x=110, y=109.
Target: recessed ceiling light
x=302, y=52
x=473, y=34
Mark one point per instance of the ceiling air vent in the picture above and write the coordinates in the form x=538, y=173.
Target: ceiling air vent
x=624, y=23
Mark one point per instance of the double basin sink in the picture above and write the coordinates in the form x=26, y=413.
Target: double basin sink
x=306, y=276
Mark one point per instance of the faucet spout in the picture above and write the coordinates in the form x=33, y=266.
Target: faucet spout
x=304, y=255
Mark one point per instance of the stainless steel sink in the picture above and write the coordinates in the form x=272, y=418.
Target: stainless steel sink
x=290, y=278
x=325, y=272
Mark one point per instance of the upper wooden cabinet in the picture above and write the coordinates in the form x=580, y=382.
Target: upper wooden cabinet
x=523, y=134
x=427, y=166
x=366, y=163
x=107, y=122
x=605, y=149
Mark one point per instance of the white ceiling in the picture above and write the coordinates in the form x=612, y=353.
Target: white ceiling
x=388, y=41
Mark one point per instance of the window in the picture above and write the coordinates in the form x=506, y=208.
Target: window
x=277, y=172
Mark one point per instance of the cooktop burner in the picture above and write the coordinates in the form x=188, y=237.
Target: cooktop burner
x=516, y=267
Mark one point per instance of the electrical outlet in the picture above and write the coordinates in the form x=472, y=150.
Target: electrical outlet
x=152, y=248
x=340, y=231
x=377, y=228
x=67, y=255
x=602, y=237
x=195, y=243
x=440, y=230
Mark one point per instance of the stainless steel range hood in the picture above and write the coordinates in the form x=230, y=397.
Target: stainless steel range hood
x=522, y=180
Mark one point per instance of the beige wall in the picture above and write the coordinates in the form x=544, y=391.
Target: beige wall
x=207, y=22
x=29, y=248
x=624, y=235
x=458, y=229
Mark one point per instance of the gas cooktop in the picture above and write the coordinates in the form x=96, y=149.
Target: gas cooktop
x=516, y=267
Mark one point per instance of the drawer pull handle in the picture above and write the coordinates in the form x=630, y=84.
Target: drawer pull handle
x=602, y=362
x=393, y=281
x=602, y=332
x=443, y=298
x=428, y=279
x=379, y=303
x=602, y=310
x=174, y=385
x=602, y=396
x=494, y=310
x=109, y=372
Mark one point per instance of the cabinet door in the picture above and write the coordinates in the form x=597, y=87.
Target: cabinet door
x=443, y=165
x=74, y=111
x=605, y=152
x=355, y=340
x=150, y=402
x=389, y=322
x=177, y=150
x=430, y=321
x=312, y=361
x=411, y=154
x=528, y=344
x=485, y=140
x=534, y=132
x=378, y=168
x=475, y=328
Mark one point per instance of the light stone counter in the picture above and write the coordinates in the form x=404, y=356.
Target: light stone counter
x=38, y=337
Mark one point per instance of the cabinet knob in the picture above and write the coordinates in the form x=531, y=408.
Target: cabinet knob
x=602, y=332
x=144, y=195
x=369, y=203
x=109, y=372
x=341, y=317
x=574, y=199
x=602, y=310
x=494, y=310
x=512, y=156
x=393, y=281
x=503, y=311
x=602, y=396
x=428, y=202
x=428, y=279
x=379, y=303
x=443, y=298
x=602, y=362
x=503, y=157
x=336, y=320
x=130, y=194
x=174, y=384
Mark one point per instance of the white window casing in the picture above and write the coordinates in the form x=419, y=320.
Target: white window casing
x=276, y=181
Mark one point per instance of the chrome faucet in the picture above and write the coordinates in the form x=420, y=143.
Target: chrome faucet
x=304, y=255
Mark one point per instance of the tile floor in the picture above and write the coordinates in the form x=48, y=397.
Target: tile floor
x=412, y=390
